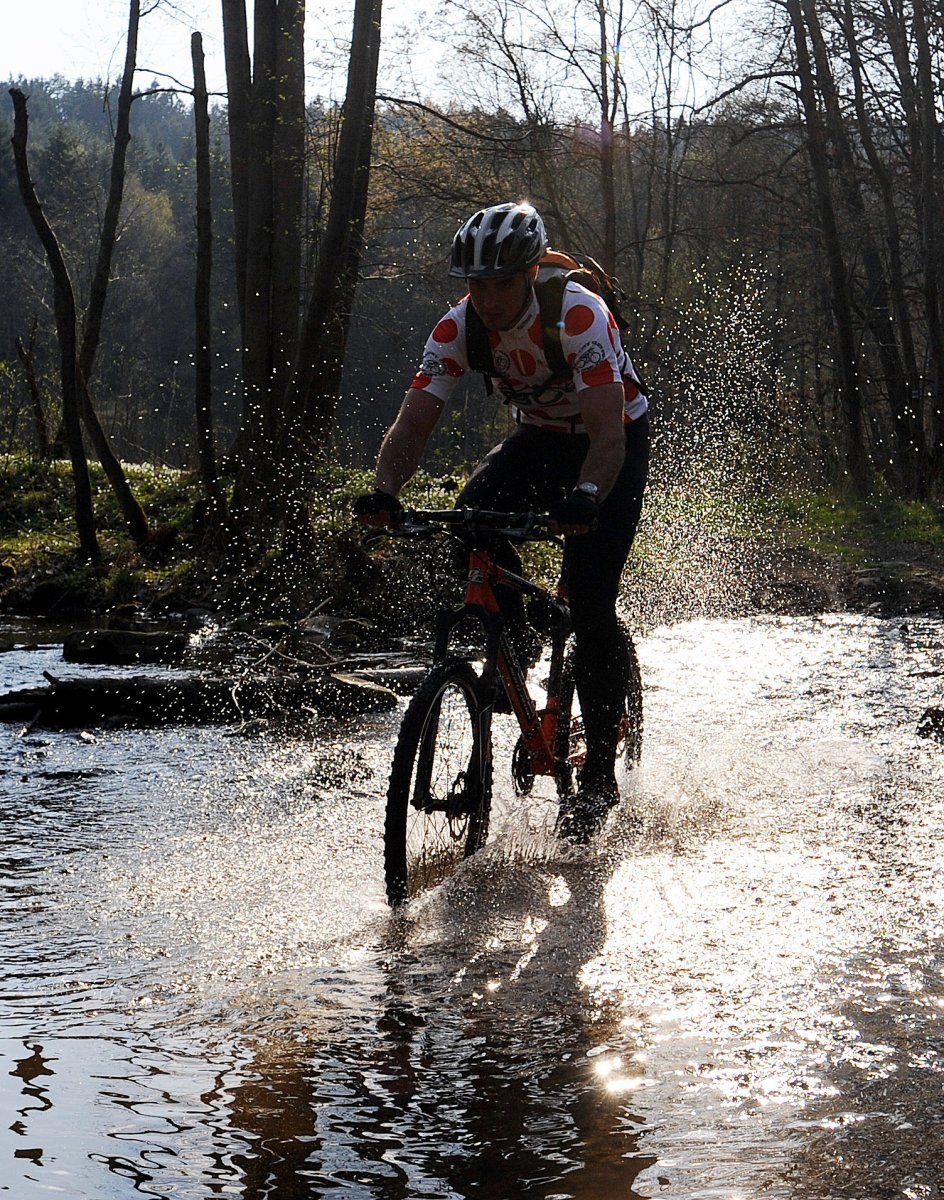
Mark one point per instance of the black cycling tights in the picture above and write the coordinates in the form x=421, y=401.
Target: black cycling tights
x=531, y=470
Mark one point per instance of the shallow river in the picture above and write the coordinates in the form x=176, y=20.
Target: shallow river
x=738, y=993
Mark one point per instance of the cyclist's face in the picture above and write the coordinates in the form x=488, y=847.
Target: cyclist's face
x=500, y=302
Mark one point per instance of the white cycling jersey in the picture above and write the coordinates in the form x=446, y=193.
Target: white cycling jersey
x=591, y=344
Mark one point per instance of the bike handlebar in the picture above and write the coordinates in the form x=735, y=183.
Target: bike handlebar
x=520, y=526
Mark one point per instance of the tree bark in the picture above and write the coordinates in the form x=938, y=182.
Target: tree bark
x=203, y=376
x=258, y=429
x=608, y=107
x=291, y=377
x=818, y=150
x=288, y=180
x=258, y=175
x=27, y=357
x=238, y=104
x=317, y=375
x=64, y=300
x=91, y=337
x=98, y=292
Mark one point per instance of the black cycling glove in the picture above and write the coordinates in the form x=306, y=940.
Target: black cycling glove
x=576, y=509
x=376, y=504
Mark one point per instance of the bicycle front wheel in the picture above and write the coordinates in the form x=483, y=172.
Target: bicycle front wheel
x=571, y=748
x=440, y=791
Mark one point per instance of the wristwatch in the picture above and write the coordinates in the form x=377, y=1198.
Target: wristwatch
x=588, y=489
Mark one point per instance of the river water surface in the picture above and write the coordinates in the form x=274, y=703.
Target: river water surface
x=739, y=992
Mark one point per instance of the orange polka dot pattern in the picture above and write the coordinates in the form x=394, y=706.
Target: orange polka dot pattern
x=590, y=342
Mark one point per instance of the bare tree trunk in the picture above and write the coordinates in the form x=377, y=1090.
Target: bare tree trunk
x=131, y=510
x=910, y=453
x=65, y=328
x=885, y=184
x=609, y=99
x=27, y=357
x=258, y=175
x=930, y=217
x=818, y=150
x=317, y=375
x=98, y=292
x=258, y=432
x=288, y=185
x=238, y=106
x=203, y=381
x=291, y=377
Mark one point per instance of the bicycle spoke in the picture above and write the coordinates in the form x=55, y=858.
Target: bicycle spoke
x=437, y=810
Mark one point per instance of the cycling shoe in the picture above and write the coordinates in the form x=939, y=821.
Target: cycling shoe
x=584, y=814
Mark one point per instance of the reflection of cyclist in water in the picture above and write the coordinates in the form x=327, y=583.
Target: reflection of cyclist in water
x=580, y=451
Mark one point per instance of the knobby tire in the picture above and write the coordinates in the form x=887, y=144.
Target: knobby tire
x=440, y=791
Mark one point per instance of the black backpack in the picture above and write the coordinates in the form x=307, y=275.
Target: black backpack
x=555, y=270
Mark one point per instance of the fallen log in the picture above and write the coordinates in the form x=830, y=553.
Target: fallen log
x=146, y=701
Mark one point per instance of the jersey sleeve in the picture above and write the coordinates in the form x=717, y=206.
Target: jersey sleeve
x=445, y=359
x=590, y=339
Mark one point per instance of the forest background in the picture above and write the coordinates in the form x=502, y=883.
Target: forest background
x=766, y=181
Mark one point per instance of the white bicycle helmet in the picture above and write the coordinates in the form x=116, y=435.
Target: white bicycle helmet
x=497, y=241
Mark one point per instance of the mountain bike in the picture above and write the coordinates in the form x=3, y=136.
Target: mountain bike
x=440, y=790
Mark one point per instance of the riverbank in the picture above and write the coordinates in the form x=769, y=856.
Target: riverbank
x=742, y=577
x=704, y=555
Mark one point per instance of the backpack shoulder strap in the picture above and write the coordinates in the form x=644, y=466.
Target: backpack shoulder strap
x=477, y=347
x=550, y=293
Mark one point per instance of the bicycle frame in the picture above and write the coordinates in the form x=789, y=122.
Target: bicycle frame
x=501, y=668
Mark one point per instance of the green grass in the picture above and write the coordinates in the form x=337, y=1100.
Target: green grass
x=392, y=582
x=39, y=552
x=37, y=501
x=842, y=524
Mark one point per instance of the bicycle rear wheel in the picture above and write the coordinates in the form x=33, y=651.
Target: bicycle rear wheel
x=440, y=791
x=571, y=748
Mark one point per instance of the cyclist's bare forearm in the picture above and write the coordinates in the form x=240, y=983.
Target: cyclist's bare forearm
x=405, y=441
x=602, y=412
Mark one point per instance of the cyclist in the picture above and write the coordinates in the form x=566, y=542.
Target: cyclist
x=580, y=451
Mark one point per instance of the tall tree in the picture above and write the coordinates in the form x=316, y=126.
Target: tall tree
x=817, y=144
x=928, y=146
x=203, y=379
x=314, y=387
x=290, y=369
x=92, y=328
x=910, y=453
x=64, y=299
x=91, y=335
